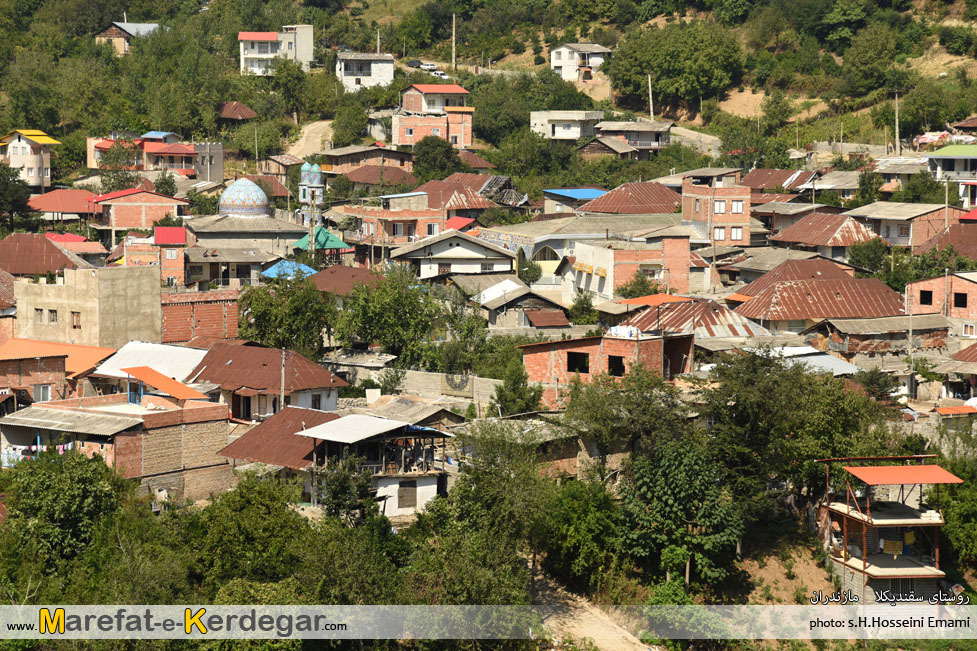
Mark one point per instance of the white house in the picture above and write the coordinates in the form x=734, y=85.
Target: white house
x=356, y=70
x=28, y=150
x=258, y=50
x=578, y=61
x=957, y=163
x=453, y=252
x=565, y=125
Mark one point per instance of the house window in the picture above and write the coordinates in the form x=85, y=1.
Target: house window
x=432, y=229
x=902, y=586
x=444, y=269
x=925, y=297
x=38, y=315
x=959, y=299
x=557, y=55
x=736, y=208
x=697, y=205
x=196, y=270
x=30, y=171
x=170, y=281
x=436, y=132
x=47, y=172
x=398, y=230
x=409, y=132
x=969, y=330
x=407, y=494
x=52, y=316
x=171, y=254
x=454, y=140
x=578, y=362
x=76, y=320
x=487, y=266
x=736, y=233
x=42, y=392
x=719, y=233
x=795, y=325
x=904, y=230
x=720, y=207
x=615, y=365
x=317, y=401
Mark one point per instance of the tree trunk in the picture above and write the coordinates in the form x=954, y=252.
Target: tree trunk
x=688, y=564
x=532, y=580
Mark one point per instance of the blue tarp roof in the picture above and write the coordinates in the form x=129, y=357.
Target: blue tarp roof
x=158, y=134
x=287, y=269
x=578, y=194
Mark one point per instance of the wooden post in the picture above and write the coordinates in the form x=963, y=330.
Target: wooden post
x=844, y=539
x=936, y=549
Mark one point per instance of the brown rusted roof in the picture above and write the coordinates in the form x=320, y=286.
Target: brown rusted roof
x=968, y=354
x=824, y=229
x=6, y=290
x=547, y=318
x=381, y=175
x=275, y=442
x=474, y=161
x=771, y=179
x=27, y=254
x=340, y=279
x=454, y=196
x=760, y=198
x=236, y=111
x=969, y=123
x=823, y=299
x=270, y=184
x=705, y=317
x=814, y=269
x=635, y=199
x=233, y=366
x=962, y=237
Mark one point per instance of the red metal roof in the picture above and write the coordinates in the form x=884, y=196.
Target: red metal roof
x=233, y=366
x=236, y=111
x=167, y=385
x=172, y=149
x=474, y=161
x=968, y=354
x=275, y=188
x=84, y=247
x=824, y=229
x=257, y=36
x=118, y=194
x=891, y=475
x=771, y=179
x=78, y=359
x=823, y=299
x=27, y=254
x=696, y=261
x=635, y=199
x=547, y=318
x=705, y=317
x=381, y=175
x=813, y=269
x=61, y=238
x=654, y=300
x=759, y=198
x=458, y=223
x=958, y=410
x=469, y=180
x=453, y=89
x=340, y=279
x=275, y=442
x=169, y=235
x=454, y=195
x=65, y=201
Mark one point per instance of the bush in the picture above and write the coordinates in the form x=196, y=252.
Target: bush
x=957, y=40
x=538, y=60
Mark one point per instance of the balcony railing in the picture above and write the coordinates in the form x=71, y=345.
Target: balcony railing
x=960, y=175
x=646, y=144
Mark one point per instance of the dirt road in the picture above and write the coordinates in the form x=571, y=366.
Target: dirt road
x=312, y=139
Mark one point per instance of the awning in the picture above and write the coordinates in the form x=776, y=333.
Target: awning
x=323, y=240
x=245, y=391
x=892, y=475
x=353, y=428
x=162, y=383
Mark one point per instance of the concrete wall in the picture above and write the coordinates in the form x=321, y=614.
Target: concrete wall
x=427, y=489
x=562, y=125
x=327, y=397
x=129, y=305
x=267, y=242
x=357, y=74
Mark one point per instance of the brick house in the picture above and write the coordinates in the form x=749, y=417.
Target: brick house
x=554, y=363
x=152, y=439
x=133, y=208
x=343, y=160
x=38, y=371
x=717, y=205
x=438, y=110
x=952, y=295
x=120, y=35
x=186, y=315
x=881, y=342
x=907, y=224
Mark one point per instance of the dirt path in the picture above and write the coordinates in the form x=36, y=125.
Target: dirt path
x=582, y=620
x=702, y=142
x=311, y=139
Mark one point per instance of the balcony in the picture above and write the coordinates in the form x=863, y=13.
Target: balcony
x=885, y=566
x=889, y=514
x=958, y=175
x=647, y=144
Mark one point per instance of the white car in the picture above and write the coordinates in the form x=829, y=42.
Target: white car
x=438, y=73
x=428, y=66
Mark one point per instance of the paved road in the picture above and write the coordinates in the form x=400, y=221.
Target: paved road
x=312, y=139
x=699, y=141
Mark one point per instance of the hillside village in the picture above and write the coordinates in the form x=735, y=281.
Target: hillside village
x=379, y=322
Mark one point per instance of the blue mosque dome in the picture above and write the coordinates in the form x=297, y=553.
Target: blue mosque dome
x=243, y=198
x=315, y=169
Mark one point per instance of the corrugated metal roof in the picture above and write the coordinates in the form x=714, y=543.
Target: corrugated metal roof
x=449, y=235
x=73, y=421
x=28, y=254
x=172, y=361
x=231, y=224
x=381, y=174
x=824, y=363
x=577, y=194
x=353, y=428
x=236, y=111
x=839, y=180
x=968, y=354
x=78, y=359
x=616, y=145
x=364, y=56
x=958, y=410
x=704, y=317
x=474, y=284
x=78, y=202
x=233, y=366
x=340, y=279
x=885, y=325
x=891, y=475
x=771, y=179
x=824, y=229
x=821, y=299
x=635, y=199
x=585, y=47
x=547, y=318
x=451, y=89
x=895, y=210
x=653, y=127
x=813, y=269
x=274, y=441
x=962, y=237
x=785, y=208
x=474, y=161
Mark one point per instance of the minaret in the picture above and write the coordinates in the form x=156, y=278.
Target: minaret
x=311, y=192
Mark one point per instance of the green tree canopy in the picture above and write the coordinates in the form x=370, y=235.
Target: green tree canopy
x=165, y=184
x=350, y=124
x=116, y=167
x=436, y=158
x=14, y=194
x=287, y=313
x=515, y=395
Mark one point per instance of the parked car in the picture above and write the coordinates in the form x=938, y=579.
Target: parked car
x=438, y=73
x=414, y=63
x=428, y=66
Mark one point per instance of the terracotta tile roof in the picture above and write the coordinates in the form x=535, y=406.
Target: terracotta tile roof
x=6, y=290
x=286, y=159
x=172, y=148
x=823, y=299
x=274, y=441
x=635, y=199
x=271, y=182
x=78, y=359
x=236, y=111
x=458, y=223
x=962, y=237
x=440, y=88
x=233, y=366
x=771, y=179
x=65, y=201
x=61, y=238
x=27, y=254
x=340, y=279
x=705, y=317
x=257, y=36
x=167, y=385
x=823, y=229
x=381, y=174
x=958, y=410
x=547, y=318
x=474, y=161
x=813, y=269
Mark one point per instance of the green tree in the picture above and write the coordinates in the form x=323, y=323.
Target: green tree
x=344, y=490
x=350, y=124
x=640, y=285
x=530, y=271
x=871, y=255
x=515, y=395
x=878, y=384
x=923, y=188
x=584, y=537
x=869, y=58
x=14, y=194
x=165, y=184
x=288, y=80
x=777, y=109
x=869, y=183
x=116, y=167
x=582, y=310
x=436, y=158
x=287, y=313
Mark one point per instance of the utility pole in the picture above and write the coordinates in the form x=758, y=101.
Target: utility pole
x=651, y=100
x=946, y=203
x=898, y=142
x=378, y=40
x=311, y=248
x=454, y=61
x=281, y=386
x=256, y=148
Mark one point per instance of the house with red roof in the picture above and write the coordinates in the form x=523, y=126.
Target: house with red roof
x=65, y=205
x=171, y=242
x=478, y=164
x=829, y=234
x=133, y=208
x=162, y=150
x=92, y=252
x=32, y=254
x=258, y=50
x=374, y=176
x=648, y=198
x=438, y=110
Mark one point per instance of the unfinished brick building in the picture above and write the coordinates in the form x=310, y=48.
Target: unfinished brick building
x=187, y=315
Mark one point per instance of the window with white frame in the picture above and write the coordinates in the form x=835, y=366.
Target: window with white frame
x=736, y=208
x=436, y=132
x=432, y=229
x=30, y=171
x=719, y=233
x=171, y=254
x=409, y=132
x=697, y=205
x=559, y=55
x=969, y=330
x=47, y=172
x=720, y=207
x=398, y=230
x=736, y=233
